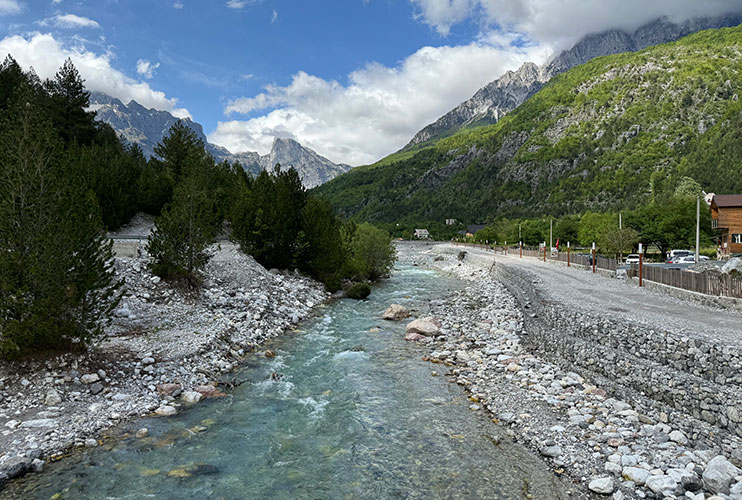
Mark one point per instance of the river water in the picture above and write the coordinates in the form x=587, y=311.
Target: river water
x=355, y=414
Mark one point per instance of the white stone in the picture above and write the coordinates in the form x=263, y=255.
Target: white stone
x=678, y=437
x=166, y=411
x=39, y=423
x=52, y=398
x=396, y=312
x=719, y=475
x=89, y=378
x=602, y=485
x=142, y=433
x=148, y=360
x=191, y=397
x=661, y=484
x=91, y=443
x=423, y=326
x=636, y=474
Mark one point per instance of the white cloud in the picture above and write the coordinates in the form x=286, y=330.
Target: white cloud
x=565, y=21
x=9, y=7
x=177, y=5
x=274, y=17
x=146, y=68
x=70, y=21
x=46, y=55
x=378, y=111
x=239, y=4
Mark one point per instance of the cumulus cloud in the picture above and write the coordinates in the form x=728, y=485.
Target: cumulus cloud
x=564, y=21
x=379, y=109
x=70, y=21
x=45, y=54
x=146, y=69
x=9, y=7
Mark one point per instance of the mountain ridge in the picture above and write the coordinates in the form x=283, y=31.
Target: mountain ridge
x=612, y=134
x=490, y=103
x=146, y=127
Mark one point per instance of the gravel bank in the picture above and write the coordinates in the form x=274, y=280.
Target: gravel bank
x=164, y=350
x=616, y=447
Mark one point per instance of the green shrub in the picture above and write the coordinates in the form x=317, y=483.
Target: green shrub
x=358, y=291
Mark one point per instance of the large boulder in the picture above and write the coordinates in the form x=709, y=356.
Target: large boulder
x=719, y=475
x=427, y=326
x=396, y=312
x=734, y=264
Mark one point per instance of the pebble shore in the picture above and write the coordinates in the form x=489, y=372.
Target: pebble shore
x=610, y=447
x=166, y=349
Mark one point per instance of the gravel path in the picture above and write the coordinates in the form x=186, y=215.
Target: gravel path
x=579, y=289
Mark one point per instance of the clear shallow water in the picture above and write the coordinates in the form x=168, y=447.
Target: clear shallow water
x=355, y=414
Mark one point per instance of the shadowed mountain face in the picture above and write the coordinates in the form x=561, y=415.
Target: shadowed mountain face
x=501, y=96
x=147, y=127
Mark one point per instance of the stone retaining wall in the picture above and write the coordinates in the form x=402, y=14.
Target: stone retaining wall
x=699, y=379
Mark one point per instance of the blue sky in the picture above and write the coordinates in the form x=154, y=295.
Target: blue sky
x=352, y=79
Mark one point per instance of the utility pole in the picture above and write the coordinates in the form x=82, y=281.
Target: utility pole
x=520, y=237
x=698, y=228
x=620, y=222
x=551, y=226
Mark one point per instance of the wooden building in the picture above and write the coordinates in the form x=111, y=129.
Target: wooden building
x=726, y=217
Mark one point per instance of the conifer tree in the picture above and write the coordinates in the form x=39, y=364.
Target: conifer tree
x=183, y=232
x=68, y=101
x=56, y=277
x=267, y=221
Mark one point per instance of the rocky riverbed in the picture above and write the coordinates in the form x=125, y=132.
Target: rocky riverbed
x=166, y=348
x=613, y=448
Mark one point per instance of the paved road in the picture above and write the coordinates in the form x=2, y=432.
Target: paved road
x=580, y=289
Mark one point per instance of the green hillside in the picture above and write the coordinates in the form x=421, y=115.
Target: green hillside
x=608, y=135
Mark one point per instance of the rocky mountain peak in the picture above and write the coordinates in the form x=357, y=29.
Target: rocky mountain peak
x=504, y=94
x=147, y=127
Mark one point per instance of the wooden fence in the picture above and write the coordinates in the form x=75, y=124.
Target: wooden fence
x=720, y=285
x=575, y=258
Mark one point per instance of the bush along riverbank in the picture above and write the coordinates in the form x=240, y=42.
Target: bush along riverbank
x=166, y=348
x=613, y=448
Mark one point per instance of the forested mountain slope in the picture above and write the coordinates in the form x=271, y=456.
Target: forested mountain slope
x=606, y=135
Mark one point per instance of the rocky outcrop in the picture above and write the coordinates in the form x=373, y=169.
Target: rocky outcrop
x=504, y=94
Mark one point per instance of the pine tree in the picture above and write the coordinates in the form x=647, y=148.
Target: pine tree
x=267, y=221
x=180, y=148
x=183, y=232
x=56, y=276
x=68, y=101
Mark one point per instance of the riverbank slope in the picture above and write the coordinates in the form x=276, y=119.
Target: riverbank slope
x=166, y=348
x=543, y=367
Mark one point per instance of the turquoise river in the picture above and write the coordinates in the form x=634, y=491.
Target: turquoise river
x=355, y=413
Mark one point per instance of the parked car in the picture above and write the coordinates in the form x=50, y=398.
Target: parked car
x=677, y=254
x=690, y=259
x=632, y=258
